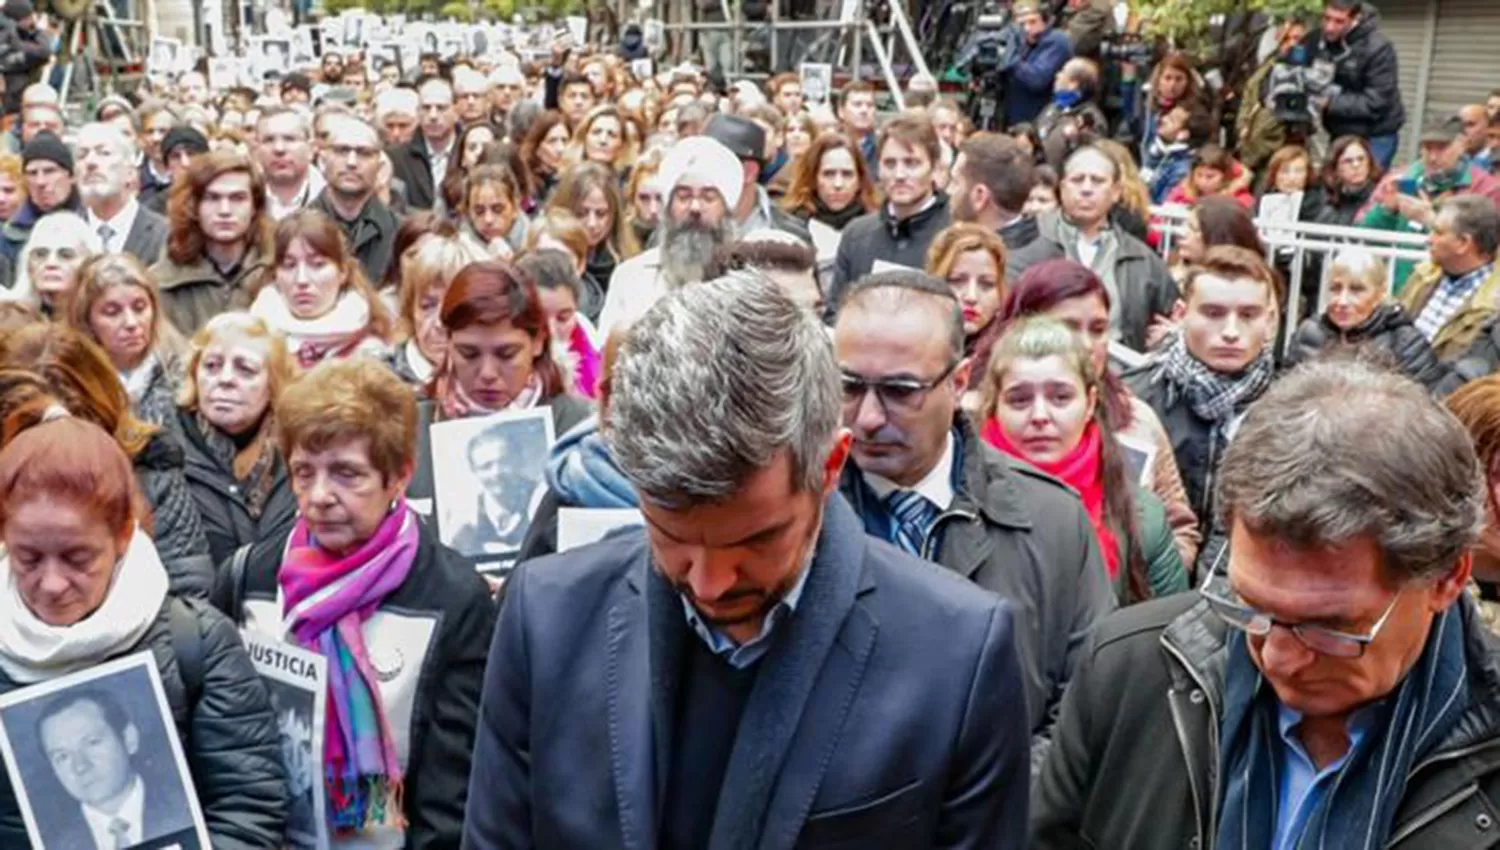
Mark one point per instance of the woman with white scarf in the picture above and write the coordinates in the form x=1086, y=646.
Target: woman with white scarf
x=118, y=306
x=499, y=357
x=318, y=297
x=82, y=585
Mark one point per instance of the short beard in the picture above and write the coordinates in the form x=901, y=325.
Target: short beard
x=688, y=248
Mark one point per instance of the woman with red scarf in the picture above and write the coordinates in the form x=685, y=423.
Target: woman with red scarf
x=1040, y=403
x=403, y=621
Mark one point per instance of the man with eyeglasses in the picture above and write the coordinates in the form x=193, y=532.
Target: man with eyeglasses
x=352, y=161
x=1329, y=685
x=284, y=150
x=920, y=477
x=700, y=181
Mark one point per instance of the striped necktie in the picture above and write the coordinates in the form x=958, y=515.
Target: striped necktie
x=912, y=514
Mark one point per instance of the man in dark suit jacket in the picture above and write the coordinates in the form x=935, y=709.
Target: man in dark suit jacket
x=107, y=182
x=422, y=163
x=122, y=791
x=352, y=165
x=752, y=670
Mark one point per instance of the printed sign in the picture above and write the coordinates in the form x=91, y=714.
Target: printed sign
x=298, y=681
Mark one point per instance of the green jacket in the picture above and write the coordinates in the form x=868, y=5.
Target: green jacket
x=1259, y=133
x=1164, y=571
x=194, y=293
x=1453, y=339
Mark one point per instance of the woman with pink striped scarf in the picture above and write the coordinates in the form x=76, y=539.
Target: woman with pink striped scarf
x=403, y=621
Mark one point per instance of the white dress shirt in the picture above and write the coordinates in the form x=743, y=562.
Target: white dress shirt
x=936, y=486
x=119, y=226
x=440, y=165
x=132, y=811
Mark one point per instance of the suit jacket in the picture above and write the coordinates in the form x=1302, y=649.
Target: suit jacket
x=164, y=815
x=411, y=163
x=147, y=236
x=887, y=712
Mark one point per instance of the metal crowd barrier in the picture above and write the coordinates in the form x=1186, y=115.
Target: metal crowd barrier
x=1290, y=245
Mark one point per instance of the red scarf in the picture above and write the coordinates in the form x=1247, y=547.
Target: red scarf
x=1083, y=470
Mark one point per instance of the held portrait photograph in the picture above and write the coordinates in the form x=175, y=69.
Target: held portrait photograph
x=298, y=682
x=96, y=764
x=489, y=477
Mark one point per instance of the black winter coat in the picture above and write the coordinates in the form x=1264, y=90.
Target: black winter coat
x=879, y=236
x=21, y=55
x=444, y=592
x=177, y=528
x=1342, y=206
x=221, y=500
x=1369, y=99
x=1389, y=329
x=226, y=724
x=1197, y=443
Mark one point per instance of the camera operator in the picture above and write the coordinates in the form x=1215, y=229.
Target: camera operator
x=1031, y=66
x=1073, y=118
x=1262, y=124
x=1365, y=98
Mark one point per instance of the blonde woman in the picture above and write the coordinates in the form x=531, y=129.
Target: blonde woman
x=118, y=306
x=236, y=368
x=601, y=137
x=429, y=266
x=1134, y=207
x=48, y=271
x=1358, y=312
x=591, y=192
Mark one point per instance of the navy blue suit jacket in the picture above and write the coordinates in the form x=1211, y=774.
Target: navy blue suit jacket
x=888, y=712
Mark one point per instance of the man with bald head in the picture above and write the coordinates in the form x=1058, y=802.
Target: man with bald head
x=108, y=182
x=1476, y=123
x=352, y=160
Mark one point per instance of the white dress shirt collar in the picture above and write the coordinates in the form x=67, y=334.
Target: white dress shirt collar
x=936, y=486
x=132, y=811
x=120, y=224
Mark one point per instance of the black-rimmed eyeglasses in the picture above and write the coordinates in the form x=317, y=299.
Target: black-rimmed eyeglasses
x=904, y=393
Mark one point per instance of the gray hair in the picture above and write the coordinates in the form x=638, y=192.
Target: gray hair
x=896, y=290
x=1476, y=217
x=715, y=380
x=119, y=139
x=1305, y=470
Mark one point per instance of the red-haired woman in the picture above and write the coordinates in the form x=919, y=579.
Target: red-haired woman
x=499, y=357
x=84, y=584
x=319, y=299
x=1074, y=295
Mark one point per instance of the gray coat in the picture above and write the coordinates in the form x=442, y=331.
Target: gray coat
x=1024, y=535
x=147, y=236
x=1144, y=286
x=1137, y=751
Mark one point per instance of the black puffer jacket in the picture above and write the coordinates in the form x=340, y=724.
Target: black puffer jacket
x=1388, y=329
x=221, y=499
x=1369, y=99
x=224, y=719
x=437, y=625
x=880, y=236
x=1341, y=206
x=176, y=526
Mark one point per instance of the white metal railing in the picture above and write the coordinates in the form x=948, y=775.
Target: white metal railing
x=1289, y=245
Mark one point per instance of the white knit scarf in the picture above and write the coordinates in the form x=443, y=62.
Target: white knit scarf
x=33, y=651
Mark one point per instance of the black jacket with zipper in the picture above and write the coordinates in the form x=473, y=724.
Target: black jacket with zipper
x=221, y=499
x=1388, y=329
x=1136, y=760
x=1020, y=533
x=880, y=236
x=443, y=590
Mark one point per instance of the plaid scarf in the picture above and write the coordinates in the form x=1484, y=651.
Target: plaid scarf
x=1214, y=396
x=256, y=483
x=328, y=600
x=1359, y=808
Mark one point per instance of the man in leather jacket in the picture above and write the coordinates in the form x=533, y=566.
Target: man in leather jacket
x=1330, y=685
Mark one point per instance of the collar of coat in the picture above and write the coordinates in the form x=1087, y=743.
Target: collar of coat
x=1198, y=639
x=170, y=275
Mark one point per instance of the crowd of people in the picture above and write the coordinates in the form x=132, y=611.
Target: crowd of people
x=981, y=507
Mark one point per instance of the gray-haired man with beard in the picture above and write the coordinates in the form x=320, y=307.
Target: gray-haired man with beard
x=108, y=182
x=700, y=180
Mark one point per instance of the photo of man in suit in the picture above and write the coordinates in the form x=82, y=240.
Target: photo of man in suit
x=108, y=182
x=498, y=459
x=96, y=752
x=751, y=669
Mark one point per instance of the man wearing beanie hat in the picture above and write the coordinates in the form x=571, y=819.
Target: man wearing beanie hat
x=700, y=183
x=48, y=167
x=25, y=49
x=178, y=148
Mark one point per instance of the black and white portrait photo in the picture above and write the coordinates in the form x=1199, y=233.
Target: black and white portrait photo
x=817, y=81
x=96, y=763
x=489, y=477
x=275, y=54
x=298, y=682
x=163, y=57
x=305, y=45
